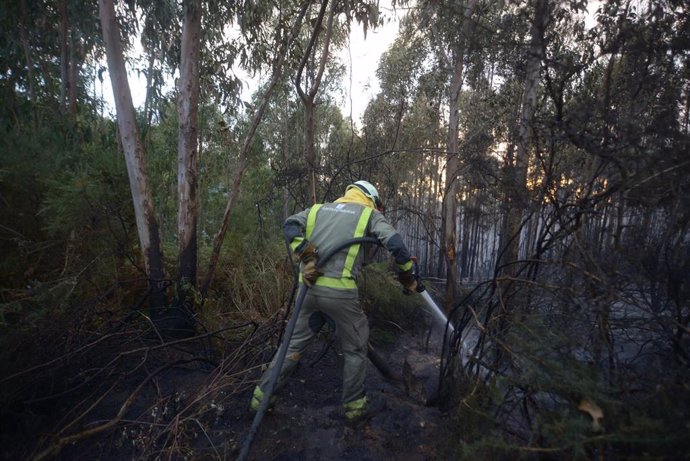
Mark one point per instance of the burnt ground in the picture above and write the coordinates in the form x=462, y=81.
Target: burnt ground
x=182, y=407
x=307, y=422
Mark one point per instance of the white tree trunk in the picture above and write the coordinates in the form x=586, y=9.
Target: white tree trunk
x=147, y=225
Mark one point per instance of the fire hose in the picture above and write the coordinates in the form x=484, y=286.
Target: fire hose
x=436, y=312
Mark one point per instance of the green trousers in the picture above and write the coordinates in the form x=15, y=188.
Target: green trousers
x=352, y=329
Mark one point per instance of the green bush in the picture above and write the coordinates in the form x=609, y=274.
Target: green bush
x=384, y=301
x=251, y=283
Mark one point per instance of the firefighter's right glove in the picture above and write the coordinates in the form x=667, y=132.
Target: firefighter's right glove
x=309, y=256
x=408, y=281
x=310, y=273
x=305, y=251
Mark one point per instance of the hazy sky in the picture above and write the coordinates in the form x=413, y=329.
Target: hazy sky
x=363, y=54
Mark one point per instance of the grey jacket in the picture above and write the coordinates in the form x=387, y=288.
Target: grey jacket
x=326, y=226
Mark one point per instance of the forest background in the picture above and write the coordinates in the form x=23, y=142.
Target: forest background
x=534, y=155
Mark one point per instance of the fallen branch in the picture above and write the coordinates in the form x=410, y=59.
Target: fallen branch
x=57, y=446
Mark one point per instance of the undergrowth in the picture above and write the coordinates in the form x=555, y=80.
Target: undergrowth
x=383, y=299
x=551, y=400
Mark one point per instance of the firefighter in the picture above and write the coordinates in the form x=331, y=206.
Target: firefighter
x=332, y=289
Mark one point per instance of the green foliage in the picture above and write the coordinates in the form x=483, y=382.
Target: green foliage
x=92, y=190
x=554, y=404
x=59, y=183
x=252, y=283
x=69, y=225
x=383, y=299
x=161, y=148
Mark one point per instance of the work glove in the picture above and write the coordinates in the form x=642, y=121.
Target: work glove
x=310, y=273
x=408, y=281
x=309, y=256
x=306, y=251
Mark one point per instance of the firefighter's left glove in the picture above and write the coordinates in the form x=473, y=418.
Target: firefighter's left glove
x=408, y=281
x=309, y=256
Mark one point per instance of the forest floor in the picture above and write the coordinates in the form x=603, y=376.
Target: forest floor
x=306, y=423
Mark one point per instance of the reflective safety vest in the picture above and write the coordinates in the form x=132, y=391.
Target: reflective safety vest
x=329, y=225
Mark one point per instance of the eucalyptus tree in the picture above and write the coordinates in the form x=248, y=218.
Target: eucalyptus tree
x=282, y=135
x=399, y=71
x=620, y=100
x=314, y=57
x=160, y=41
x=591, y=120
x=517, y=160
x=252, y=19
x=147, y=223
x=289, y=25
x=313, y=77
x=402, y=126
x=187, y=156
x=450, y=27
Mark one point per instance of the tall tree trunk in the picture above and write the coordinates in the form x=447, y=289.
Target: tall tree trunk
x=187, y=153
x=74, y=60
x=148, y=101
x=24, y=39
x=517, y=169
x=398, y=121
x=309, y=151
x=478, y=248
x=517, y=179
x=277, y=72
x=147, y=225
x=466, y=234
x=452, y=161
x=309, y=95
x=438, y=212
x=64, y=56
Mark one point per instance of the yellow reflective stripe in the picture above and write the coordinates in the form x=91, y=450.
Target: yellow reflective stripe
x=295, y=243
x=358, y=404
x=354, y=249
x=311, y=219
x=332, y=282
x=407, y=266
x=362, y=223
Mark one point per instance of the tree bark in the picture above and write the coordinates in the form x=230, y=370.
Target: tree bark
x=309, y=151
x=147, y=225
x=452, y=161
x=64, y=56
x=309, y=96
x=517, y=180
x=242, y=160
x=73, y=77
x=148, y=101
x=187, y=153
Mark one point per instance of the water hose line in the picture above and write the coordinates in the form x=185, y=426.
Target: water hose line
x=282, y=350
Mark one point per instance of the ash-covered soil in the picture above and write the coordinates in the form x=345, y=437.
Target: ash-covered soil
x=307, y=422
x=133, y=401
